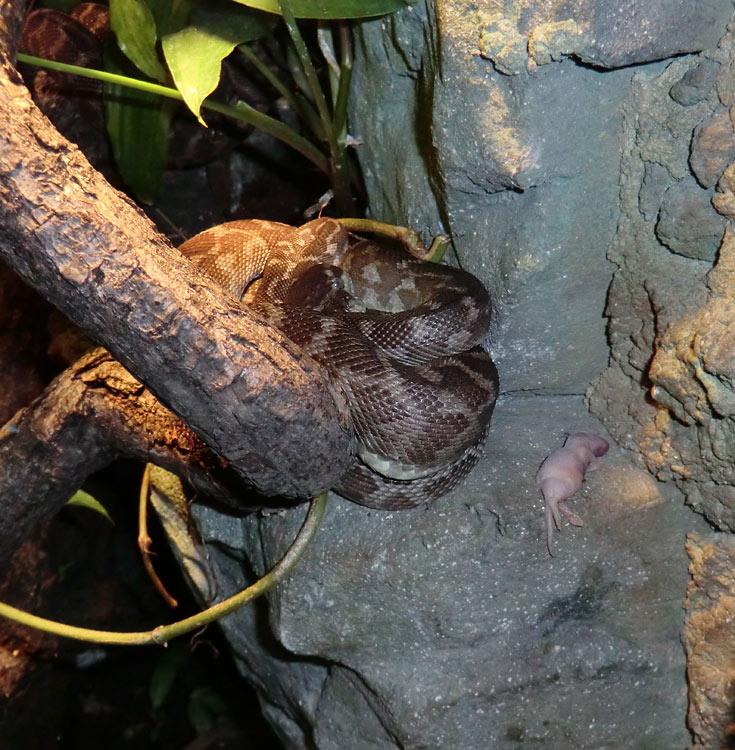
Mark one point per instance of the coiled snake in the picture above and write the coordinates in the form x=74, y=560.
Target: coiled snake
x=399, y=337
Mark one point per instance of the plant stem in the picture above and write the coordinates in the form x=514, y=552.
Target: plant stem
x=410, y=238
x=164, y=633
x=297, y=103
x=345, y=77
x=240, y=111
x=339, y=173
x=144, y=539
x=307, y=66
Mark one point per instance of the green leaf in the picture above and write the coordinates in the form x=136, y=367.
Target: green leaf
x=135, y=28
x=325, y=9
x=62, y=570
x=165, y=673
x=233, y=22
x=205, y=705
x=195, y=61
x=138, y=124
x=87, y=501
x=170, y=15
x=194, y=55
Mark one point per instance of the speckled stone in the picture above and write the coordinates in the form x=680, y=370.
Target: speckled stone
x=688, y=223
x=713, y=148
x=695, y=84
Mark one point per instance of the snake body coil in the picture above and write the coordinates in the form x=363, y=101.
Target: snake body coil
x=399, y=337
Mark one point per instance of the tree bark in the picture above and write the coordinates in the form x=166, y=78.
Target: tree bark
x=250, y=394
x=93, y=413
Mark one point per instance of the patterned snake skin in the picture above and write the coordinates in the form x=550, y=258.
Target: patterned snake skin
x=399, y=337
x=72, y=103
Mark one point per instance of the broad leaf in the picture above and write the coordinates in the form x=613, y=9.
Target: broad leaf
x=194, y=55
x=170, y=15
x=325, y=9
x=230, y=21
x=205, y=706
x=138, y=124
x=165, y=672
x=135, y=28
x=86, y=500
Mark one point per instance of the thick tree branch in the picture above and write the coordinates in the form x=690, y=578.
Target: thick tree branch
x=94, y=412
x=249, y=393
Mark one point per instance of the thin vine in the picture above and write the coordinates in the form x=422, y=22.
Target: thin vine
x=165, y=633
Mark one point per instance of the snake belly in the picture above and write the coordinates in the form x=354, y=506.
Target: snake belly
x=399, y=337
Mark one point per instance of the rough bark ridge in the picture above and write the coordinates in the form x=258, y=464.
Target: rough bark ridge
x=245, y=390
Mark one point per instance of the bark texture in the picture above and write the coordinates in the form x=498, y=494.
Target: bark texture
x=250, y=394
x=93, y=413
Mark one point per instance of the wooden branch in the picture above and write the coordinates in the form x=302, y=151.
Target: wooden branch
x=94, y=412
x=246, y=391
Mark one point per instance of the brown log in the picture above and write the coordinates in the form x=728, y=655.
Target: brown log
x=250, y=394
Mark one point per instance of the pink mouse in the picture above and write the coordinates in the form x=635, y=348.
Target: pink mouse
x=561, y=475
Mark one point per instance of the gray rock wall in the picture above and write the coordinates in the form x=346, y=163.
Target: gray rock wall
x=567, y=182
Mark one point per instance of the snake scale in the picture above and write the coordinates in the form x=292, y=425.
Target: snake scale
x=400, y=338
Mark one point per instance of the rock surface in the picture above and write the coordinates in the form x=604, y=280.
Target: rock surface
x=710, y=639
x=713, y=148
x=671, y=317
x=686, y=222
x=450, y=626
